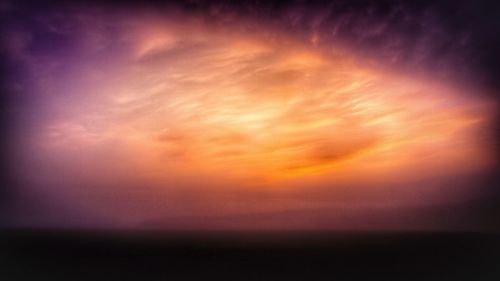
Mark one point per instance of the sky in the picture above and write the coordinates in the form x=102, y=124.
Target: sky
x=252, y=116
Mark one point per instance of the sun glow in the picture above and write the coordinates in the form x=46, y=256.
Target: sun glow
x=172, y=120
x=247, y=107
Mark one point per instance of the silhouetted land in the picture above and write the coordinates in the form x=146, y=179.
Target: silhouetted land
x=95, y=255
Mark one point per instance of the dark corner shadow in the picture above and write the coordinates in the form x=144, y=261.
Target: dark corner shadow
x=346, y=255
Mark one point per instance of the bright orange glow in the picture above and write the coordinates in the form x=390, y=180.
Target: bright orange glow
x=245, y=107
x=186, y=112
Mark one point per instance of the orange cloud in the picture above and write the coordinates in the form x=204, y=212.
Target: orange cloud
x=193, y=101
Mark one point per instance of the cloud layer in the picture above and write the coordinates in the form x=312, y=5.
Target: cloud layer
x=136, y=117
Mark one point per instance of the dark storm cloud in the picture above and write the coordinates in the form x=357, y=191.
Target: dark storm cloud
x=449, y=38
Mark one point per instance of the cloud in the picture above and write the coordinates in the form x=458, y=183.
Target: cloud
x=185, y=110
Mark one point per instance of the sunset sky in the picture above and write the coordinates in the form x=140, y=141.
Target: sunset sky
x=219, y=116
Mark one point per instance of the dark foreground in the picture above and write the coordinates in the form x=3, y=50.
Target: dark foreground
x=62, y=255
